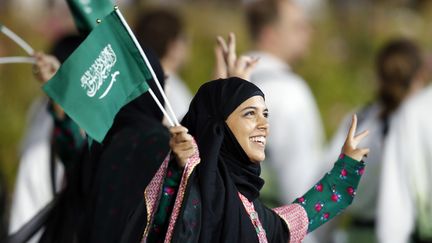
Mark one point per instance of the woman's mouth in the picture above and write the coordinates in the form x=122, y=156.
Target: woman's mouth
x=260, y=140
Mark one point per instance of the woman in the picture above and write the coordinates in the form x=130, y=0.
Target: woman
x=212, y=195
x=400, y=73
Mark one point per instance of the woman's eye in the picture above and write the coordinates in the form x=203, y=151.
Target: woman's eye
x=249, y=113
x=266, y=114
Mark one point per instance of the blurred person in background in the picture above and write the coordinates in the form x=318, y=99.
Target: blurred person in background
x=40, y=172
x=162, y=30
x=105, y=183
x=281, y=34
x=404, y=210
x=400, y=74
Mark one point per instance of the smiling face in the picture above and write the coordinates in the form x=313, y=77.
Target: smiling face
x=248, y=122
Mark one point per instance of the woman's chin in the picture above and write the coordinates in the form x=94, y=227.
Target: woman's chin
x=257, y=159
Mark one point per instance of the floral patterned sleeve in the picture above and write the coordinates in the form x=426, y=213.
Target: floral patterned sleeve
x=67, y=137
x=333, y=193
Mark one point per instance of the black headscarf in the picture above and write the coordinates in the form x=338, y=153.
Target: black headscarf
x=225, y=168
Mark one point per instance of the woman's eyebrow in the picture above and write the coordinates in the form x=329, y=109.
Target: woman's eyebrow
x=253, y=108
x=250, y=107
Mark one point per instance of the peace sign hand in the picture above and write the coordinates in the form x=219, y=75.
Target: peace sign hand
x=228, y=64
x=350, y=146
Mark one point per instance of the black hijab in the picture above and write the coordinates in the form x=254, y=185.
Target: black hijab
x=225, y=168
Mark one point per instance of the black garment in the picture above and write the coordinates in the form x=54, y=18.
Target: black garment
x=126, y=161
x=224, y=170
x=126, y=165
x=107, y=186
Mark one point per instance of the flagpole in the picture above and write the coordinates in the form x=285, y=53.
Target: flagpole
x=17, y=40
x=7, y=60
x=171, y=123
x=119, y=14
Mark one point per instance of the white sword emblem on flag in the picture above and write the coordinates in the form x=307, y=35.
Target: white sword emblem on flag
x=113, y=79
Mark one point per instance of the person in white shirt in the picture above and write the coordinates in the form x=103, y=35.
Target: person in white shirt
x=281, y=34
x=162, y=31
x=405, y=203
x=400, y=74
x=35, y=186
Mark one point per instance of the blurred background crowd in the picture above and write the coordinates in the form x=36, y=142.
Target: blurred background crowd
x=339, y=64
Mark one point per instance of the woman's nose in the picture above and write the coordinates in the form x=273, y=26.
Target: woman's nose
x=263, y=123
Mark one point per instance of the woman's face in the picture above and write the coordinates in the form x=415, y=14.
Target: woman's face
x=248, y=122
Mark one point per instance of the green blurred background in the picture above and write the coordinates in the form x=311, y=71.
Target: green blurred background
x=338, y=68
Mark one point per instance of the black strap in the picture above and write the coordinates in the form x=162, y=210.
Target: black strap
x=34, y=225
x=53, y=168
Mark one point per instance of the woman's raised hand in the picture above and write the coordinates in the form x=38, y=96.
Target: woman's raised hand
x=350, y=146
x=45, y=67
x=227, y=62
x=182, y=144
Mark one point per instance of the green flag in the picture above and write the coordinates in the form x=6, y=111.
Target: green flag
x=103, y=74
x=86, y=12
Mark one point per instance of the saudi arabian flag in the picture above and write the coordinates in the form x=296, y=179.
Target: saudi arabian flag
x=102, y=75
x=86, y=12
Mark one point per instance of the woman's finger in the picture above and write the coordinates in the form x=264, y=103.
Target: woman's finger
x=182, y=137
x=53, y=63
x=222, y=44
x=183, y=154
x=361, y=136
x=242, y=62
x=254, y=61
x=364, y=151
x=232, y=56
x=181, y=147
x=353, y=127
x=178, y=129
x=250, y=67
x=220, y=63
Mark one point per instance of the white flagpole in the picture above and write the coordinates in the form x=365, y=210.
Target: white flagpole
x=17, y=40
x=149, y=66
x=6, y=60
x=171, y=123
